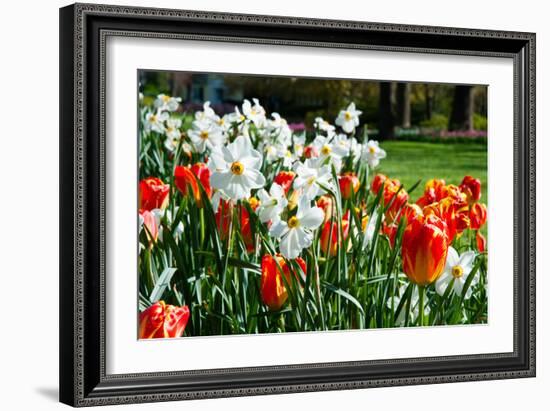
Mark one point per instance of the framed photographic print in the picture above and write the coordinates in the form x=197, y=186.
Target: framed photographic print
x=262, y=204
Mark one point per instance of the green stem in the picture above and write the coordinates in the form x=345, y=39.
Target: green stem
x=421, y=305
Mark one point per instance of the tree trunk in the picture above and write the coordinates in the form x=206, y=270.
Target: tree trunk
x=386, y=121
x=403, y=104
x=462, y=114
x=428, y=100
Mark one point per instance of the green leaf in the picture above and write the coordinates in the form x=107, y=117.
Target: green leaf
x=162, y=284
x=344, y=294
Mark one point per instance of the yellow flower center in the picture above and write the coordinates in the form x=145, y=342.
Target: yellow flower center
x=221, y=122
x=204, y=134
x=311, y=180
x=326, y=150
x=288, y=153
x=237, y=168
x=241, y=118
x=165, y=98
x=293, y=222
x=347, y=116
x=372, y=150
x=153, y=119
x=457, y=271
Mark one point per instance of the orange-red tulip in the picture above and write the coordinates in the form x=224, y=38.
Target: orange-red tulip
x=449, y=211
x=397, y=197
x=162, y=320
x=246, y=229
x=153, y=193
x=330, y=235
x=478, y=216
x=326, y=204
x=185, y=179
x=349, y=184
x=410, y=212
x=391, y=231
x=377, y=182
x=223, y=218
x=472, y=188
x=285, y=179
x=272, y=288
x=424, y=249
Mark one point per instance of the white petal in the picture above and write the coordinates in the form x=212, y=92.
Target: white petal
x=466, y=261
x=443, y=282
x=290, y=245
x=254, y=177
x=313, y=218
x=221, y=180
x=278, y=229
x=452, y=258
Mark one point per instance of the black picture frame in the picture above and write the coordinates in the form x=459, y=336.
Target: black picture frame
x=83, y=30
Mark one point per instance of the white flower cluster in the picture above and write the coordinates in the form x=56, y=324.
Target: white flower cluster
x=240, y=144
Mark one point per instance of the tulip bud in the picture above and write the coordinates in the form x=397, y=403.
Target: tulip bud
x=478, y=216
x=377, y=182
x=272, y=288
x=161, y=320
x=311, y=151
x=186, y=177
x=223, y=218
x=150, y=224
x=349, y=183
x=330, y=236
x=424, y=249
x=472, y=188
x=326, y=204
x=481, y=242
x=153, y=193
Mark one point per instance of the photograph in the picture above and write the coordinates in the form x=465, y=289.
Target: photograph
x=275, y=204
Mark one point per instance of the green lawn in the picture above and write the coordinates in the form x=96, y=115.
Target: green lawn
x=410, y=161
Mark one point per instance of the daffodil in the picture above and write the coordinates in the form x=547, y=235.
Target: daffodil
x=310, y=177
x=272, y=203
x=207, y=114
x=297, y=233
x=279, y=130
x=235, y=169
x=331, y=149
x=457, y=268
x=299, y=142
x=254, y=113
x=323, y=125
x=164, y=102
x=348, y=119
x=155, y=121
x=205, y=135
x=372, y=153
x=172, y=128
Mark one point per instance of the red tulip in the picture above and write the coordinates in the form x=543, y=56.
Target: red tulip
x=272, y=288
x=397, y=197
x=377, y=182
x=153, y=193
x=246, y=229
x=331, y=233
x=424, y=249
x=349, y=183
x=410, y=212
x=186, y=177
x=391, y=231
x=472, y=188
x=163, y=321
x=478, y=216
x=285, y=179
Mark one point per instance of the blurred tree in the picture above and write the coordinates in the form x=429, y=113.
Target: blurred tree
x=403, y=102
x=462, y=113
x=386, y=120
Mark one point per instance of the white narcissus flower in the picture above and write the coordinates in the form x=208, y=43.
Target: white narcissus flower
x=299, y=144
x=155, y=121
x=164, y=102
x=279, y=129
x=348, y=119
x=207, y=114
x=309, y=176
x=272, y=203
x=330, y=148
x=254, y=113
x=323, y=125
x=236, y=169
x=297, y=233
x=205, y=135
x=372, y=153
x=457, y=267
x=172, y=128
